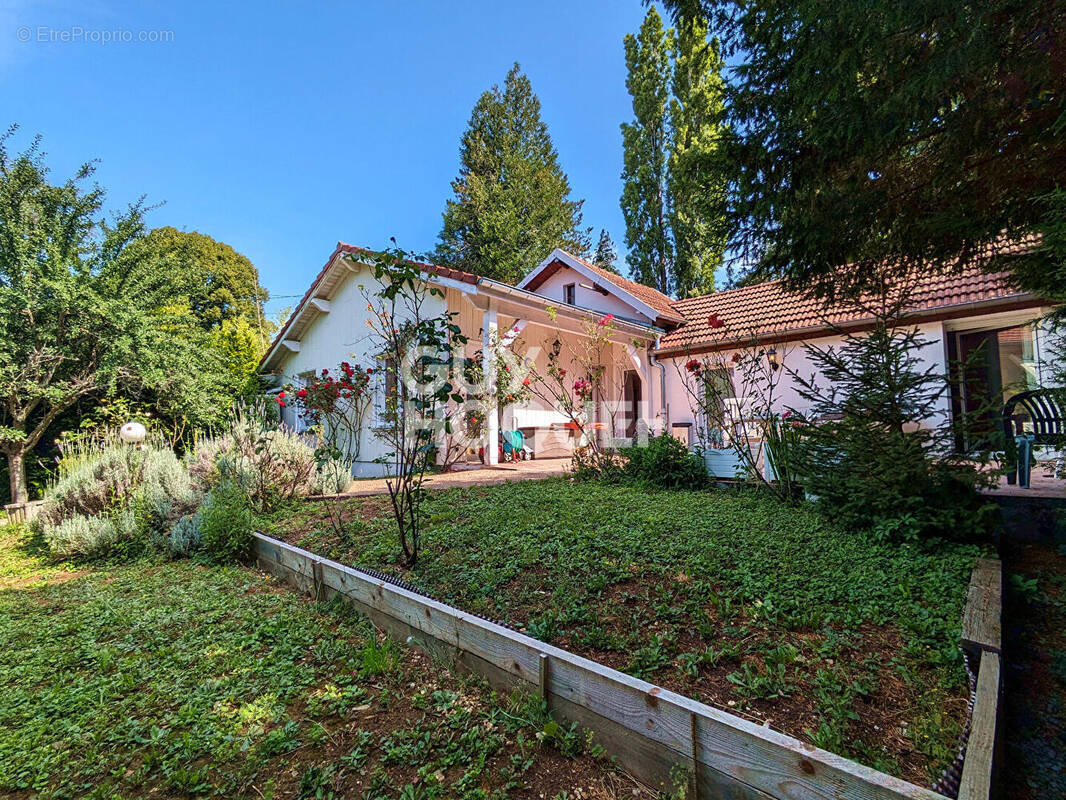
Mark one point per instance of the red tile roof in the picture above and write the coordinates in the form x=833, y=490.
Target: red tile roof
x=768, y=312
x=653, y=298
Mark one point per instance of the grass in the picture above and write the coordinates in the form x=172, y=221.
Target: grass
x=175, y=679
x=726, y=596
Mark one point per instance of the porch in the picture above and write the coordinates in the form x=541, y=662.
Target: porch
x=533, y=350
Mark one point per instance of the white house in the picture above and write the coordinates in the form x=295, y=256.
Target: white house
x=553, y=307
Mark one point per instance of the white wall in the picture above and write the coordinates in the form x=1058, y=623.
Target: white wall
x=794, y=358
x=343, y=335
x=587, y=298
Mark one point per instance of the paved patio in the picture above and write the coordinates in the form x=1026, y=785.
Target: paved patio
x=1041, y=485
x=470, y=475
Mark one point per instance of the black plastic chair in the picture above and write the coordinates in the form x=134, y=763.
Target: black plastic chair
x=1043, y=410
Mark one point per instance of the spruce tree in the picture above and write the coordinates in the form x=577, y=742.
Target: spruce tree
x=696, y=172
x=673, y=200
x=895, y=138
x=644, y=141
x=512, y=203
x=605, y=255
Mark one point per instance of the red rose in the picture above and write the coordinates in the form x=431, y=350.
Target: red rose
x=281, y=394
x=736, y=358
x=525, y=382
x=302, y=393
x=606, y=320
x=715, y=321
x=693, y=365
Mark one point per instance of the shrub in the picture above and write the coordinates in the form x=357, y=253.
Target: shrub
x=665, y=463
x=82, y=535
x=94, y=486
x=226, y=523
x=868, y=452
x=273, y=464
x=140, y=493
x=187, y=536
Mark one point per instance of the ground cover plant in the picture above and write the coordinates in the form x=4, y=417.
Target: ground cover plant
x=172, y=679
x=727, y=596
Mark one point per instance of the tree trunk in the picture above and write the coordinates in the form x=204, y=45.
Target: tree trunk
x=16, y=470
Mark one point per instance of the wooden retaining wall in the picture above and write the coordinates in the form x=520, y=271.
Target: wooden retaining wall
x=649, y=729
x=983, y=642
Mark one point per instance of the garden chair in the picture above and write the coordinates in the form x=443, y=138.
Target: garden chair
x=1036, y=417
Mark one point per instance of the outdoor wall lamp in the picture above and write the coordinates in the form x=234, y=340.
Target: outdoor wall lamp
x=771, y=359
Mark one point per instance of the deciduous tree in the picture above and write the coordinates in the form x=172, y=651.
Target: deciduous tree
x=79, y=319
x=644, y=143
x=673, y=200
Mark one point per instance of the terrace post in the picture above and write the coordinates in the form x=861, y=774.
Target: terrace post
x=489, y=326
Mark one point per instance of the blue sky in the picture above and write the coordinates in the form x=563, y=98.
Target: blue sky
x=282, y=127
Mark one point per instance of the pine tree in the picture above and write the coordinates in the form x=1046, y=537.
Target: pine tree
x=674, y=195
x=605, y=255
x=644, y=141
x=511, y=205
x=696, y=174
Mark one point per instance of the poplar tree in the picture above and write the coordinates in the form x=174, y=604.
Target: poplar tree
x=673, y=199
x=512, y=201
x=644, y=143
x=696, y=170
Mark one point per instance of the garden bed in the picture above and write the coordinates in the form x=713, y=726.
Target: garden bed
x=172, y=679
x=765, y=611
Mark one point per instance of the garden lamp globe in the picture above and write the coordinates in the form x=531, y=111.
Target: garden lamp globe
x=132, y=433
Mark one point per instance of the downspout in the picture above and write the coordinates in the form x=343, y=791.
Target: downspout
x=665, y=410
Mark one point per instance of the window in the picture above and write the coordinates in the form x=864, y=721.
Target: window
x=385, y=394
x=570, y=294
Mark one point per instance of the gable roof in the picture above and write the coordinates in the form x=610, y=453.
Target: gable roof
x=321, y=287
x=656, y=305
x=332, y=274
x=768, y=312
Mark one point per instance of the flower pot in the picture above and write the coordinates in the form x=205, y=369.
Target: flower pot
x=723, y=463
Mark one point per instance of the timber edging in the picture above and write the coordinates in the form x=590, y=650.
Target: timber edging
x=651, y=731
x=982, y=640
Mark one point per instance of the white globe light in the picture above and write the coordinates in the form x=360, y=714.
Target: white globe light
x=132, y=433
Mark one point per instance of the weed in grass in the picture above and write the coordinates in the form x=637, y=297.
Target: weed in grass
x=651, y=658
x=379, y=659
x=316, y=783
x=618, y=569
x=692, y=663
x=753, y=683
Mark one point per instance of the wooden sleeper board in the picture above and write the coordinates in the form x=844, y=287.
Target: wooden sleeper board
x=647, y=727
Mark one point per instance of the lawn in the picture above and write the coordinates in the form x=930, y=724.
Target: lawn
x=767, y=611
x=174, y=679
